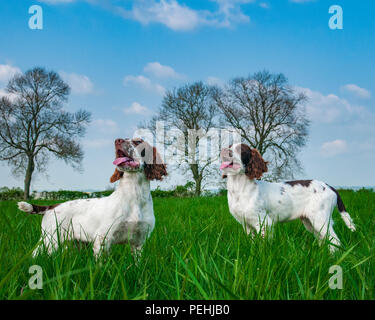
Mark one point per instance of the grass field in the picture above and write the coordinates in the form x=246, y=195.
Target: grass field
x=196, y=251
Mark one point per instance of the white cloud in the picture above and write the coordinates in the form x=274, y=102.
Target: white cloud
x=174, y=14
x=328, y=108
x=145, y=83
x=7, y=72
x=180, y=17
x=167, y=12
x=161, y=71
x=106, y=125
x=230, y=12
x=80, y=84
x=334, y=148
x=136, y=108
x=356, y=90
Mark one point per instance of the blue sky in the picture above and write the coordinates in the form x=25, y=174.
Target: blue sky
x=120, y=56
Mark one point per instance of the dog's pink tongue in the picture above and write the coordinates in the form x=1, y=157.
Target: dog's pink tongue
x=228, y=164
x=225, y=164
x=121, y=160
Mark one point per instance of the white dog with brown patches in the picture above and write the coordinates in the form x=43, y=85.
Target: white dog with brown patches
x=257, y=205
x=126, y=216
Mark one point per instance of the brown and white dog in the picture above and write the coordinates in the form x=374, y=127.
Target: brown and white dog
x=257, y=205
x=126, y=216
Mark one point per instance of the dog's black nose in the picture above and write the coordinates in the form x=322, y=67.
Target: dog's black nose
x=119, y=141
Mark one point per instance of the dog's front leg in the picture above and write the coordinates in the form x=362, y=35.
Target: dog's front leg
x=264, y=225
x=100, y=245
x=48, y=241
x=136, y=252
x=249, y=230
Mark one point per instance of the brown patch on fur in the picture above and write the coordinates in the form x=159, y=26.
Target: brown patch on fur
x=117, y=175
x=37, y=209
x=157, y=169
x=303, y=183
x=255, y=165
x=154, y=168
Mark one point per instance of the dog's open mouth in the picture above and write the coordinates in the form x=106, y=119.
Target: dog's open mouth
x=229, y=164
x=123, y=161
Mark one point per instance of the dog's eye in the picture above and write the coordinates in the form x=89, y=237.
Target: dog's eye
x=137, y=142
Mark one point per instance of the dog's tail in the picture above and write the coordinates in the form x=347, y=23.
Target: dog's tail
x=34, y=209
x=344, y=215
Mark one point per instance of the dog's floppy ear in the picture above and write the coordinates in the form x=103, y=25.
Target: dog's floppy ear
x=154, y=169
x=116, y=176
x=256, y=165
x=157, y=169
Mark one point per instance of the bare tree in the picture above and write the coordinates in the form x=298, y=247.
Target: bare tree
x=269, y=115
x=191, y=110
x=33, y=124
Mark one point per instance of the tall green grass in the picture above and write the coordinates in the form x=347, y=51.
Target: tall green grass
x=196, y=251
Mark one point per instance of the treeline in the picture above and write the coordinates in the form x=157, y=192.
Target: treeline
x=184, y=191
x=17, y=194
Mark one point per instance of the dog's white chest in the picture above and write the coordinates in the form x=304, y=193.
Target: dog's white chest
x=134, y=225
x=133, y=229
x=243, y=199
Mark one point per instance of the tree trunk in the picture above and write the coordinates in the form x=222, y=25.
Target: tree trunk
x=198, y=186
x=29, y=173
x=197, y=178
